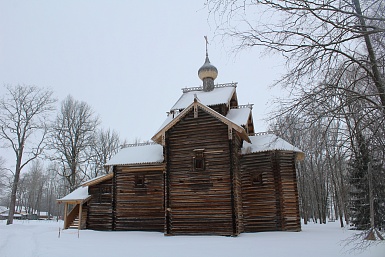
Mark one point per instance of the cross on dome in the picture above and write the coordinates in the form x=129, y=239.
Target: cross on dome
x=208, y=72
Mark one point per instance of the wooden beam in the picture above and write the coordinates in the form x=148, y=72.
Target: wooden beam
x=148, y=168
x=80, y=216
x=98, y=180
x=75, y=201
x=65, y=215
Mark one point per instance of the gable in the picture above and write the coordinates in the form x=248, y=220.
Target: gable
x=159, y=137
x=198, y=125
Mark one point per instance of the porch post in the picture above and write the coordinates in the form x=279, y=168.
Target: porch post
x=80, y=215
x=65, y=214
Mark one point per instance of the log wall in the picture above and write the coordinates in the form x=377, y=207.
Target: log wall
x=271, y=204
x=139, y=208
x=83, y=222
x=100, y=207
x=288, y=191
x=198, y=202
x=220, y=108
x=259, y=199
x=235, y=145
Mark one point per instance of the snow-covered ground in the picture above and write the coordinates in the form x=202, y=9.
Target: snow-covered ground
x=40, y=238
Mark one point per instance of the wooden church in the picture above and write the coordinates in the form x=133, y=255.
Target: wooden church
x=206, y=173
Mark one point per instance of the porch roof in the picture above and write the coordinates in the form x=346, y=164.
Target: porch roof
x=79, y=195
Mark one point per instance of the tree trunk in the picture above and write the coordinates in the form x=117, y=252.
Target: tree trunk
x=372, y=57
x=371, y=197
x=12, y=205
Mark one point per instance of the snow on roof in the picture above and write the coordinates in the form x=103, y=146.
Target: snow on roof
x=267, y=142
x=97, y=179
x=220, y=95
x=21, y=209
x=3, y=209
x=93, y=179
x=15, y=215
x=239, y=116
x=80, y=193
x=140, y=154
x=169, y=118
x=41, y=213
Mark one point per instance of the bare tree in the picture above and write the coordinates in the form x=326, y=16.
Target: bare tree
x=315, y=36
x=39, y=188
x=342, y=133
x=3, y=175
x=106, y=144
x=335, y=58
x=52, y=190
x=34, y=182
x=72, y=139
x=24, y=112
x=315, y=173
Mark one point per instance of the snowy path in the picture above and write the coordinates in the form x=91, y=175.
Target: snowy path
x=40, y=238
x=19, y=240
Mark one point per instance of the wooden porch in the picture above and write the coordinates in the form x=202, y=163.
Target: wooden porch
x=75, y=208
x=77, y=217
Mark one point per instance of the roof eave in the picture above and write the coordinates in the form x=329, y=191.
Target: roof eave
x=142, y=164
x=158, y=136
x=299, y=156
x=244, y=136
x=98, y=180
x=73, y=201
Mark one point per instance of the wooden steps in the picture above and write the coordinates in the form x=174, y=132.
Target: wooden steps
x=73, y=218
x=74, y=224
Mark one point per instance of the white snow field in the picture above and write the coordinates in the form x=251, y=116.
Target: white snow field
x=40, y=238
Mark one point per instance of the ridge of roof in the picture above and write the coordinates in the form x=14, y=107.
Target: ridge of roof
x=220, y=95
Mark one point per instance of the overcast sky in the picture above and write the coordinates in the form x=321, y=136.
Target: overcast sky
x=128, y=60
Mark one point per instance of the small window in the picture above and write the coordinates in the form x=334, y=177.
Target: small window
x=199, y=160
x=102, y=190
x=139, y=181
x=105, y=189
x=256, y=178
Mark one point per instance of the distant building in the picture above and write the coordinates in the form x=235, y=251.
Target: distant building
x=206, y=173
x=17, y=215
x=22, y=213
